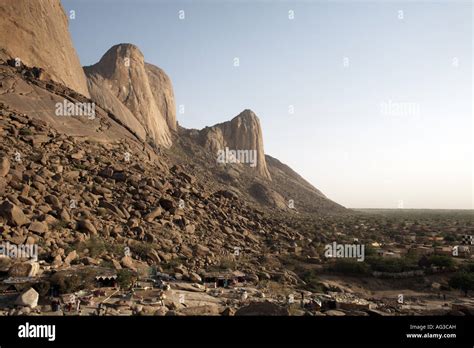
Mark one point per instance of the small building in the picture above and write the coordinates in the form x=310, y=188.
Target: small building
x=389, y=254
x=443, y=250
x=463, y=251
x=422, y=250
x=146, y=284
x=106, y=280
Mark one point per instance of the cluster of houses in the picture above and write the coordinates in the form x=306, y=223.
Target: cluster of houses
x=423, y=245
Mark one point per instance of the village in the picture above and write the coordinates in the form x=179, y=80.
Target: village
x=318, y=285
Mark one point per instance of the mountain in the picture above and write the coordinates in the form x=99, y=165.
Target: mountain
x=37, y=33
x=139, y=94
x=136, y=98
x=243, y=132
x=93, y=163
x=279, y=189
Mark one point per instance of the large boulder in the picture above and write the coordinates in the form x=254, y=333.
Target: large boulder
x=266, y=196
x=24, y=269
x=4, y=166
x=87, y=226
x=13, y=214
x=5, y=263
x=28, y=298
x=38, y=227
x=127, y=262
x=70, y=257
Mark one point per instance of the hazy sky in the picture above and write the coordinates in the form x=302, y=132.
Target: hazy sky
x=381, y=90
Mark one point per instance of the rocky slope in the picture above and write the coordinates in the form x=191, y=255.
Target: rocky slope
x=61, y=191
x=139, y=94
x=37, y=33
x=305, y=197
x=22, y=90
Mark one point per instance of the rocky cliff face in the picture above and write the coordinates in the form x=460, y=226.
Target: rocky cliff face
x=134, y=100
x=162, y=90
x=242, y=138
x=139, y=94
x=37, y=33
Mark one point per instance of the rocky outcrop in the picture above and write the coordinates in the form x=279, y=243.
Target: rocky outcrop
x=37, y=33
x=243, y=133
x=140, y=95
x=266, y=196
x=162, y=90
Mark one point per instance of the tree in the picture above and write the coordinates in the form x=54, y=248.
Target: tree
x=125, y=278
x=462, y=281
x=469, y=267
x=450, y=238
x=424, y=262
x=441, y=261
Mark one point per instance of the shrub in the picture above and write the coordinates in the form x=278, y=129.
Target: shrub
x=312, y=281
x=370, y=251
x=463, y=281
x=450, y=238
x=348, y=266
x=142, y=250
x=59, y=225
x=392, y=265
x=225, y=263
x=170, y=265
x=67, y=282
x=125, y=278
x=42, y=288
x=95, y=245
x=441, y=261
x=468, y=267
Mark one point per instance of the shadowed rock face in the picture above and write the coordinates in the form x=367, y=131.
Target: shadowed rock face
x=162, y=90
x=243, y=132
x=139, y=94
x=37, y=33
